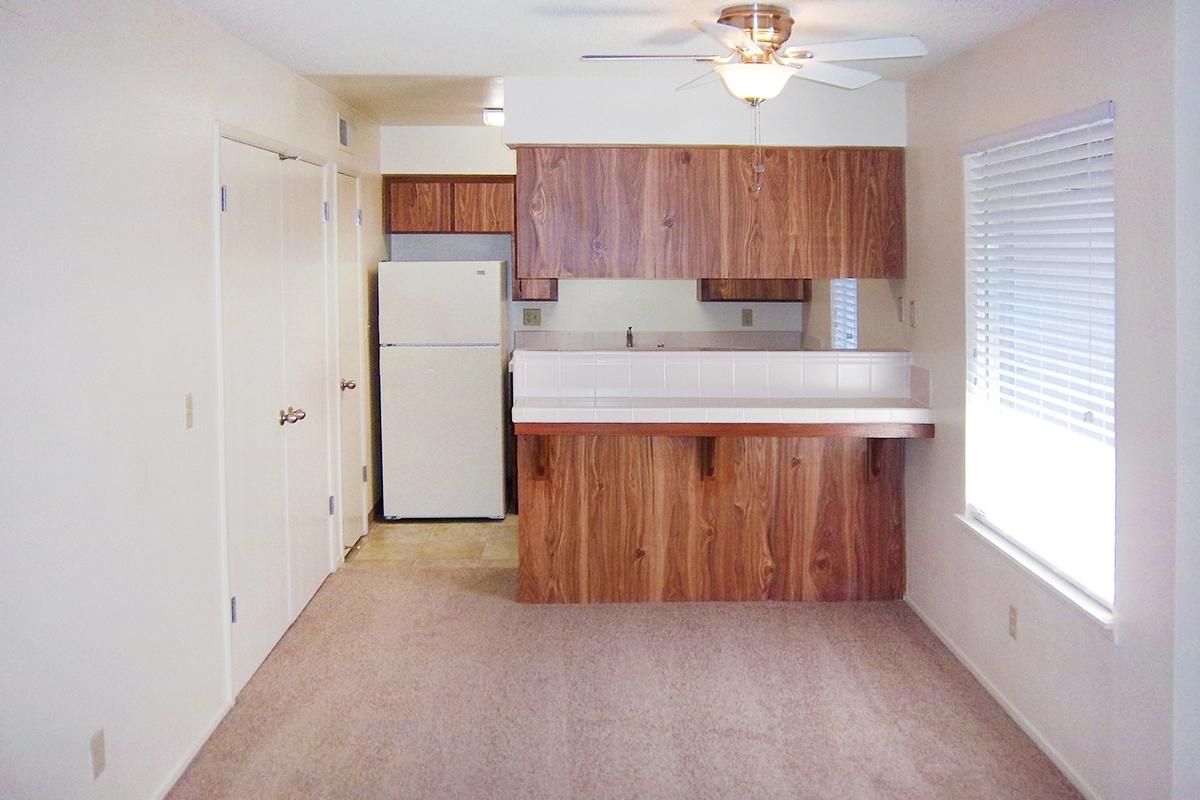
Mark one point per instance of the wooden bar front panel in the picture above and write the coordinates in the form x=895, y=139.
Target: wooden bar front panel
x=670, y=518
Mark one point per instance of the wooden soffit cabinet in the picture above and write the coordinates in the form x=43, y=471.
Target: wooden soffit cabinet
x=688, y=212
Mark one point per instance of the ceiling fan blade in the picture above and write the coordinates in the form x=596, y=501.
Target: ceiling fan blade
x=862, y=49
x=649, y=57
x=832, y=74
x=697, y=81
x=731, y=37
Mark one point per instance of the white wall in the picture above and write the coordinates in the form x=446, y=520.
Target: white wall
x=649, y=305
x=648, y=110
x=113, y=609
x=1102, y=707
x=445, y=150
x=1187, y=302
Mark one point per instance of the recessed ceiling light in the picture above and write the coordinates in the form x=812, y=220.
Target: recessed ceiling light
x=493, y=117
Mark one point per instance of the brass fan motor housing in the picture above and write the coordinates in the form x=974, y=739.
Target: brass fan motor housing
x=769, y=26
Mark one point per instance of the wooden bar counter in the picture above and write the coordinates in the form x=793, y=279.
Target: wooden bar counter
x=682, y=512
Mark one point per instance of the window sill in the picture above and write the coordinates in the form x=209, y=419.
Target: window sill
x=1047, y=578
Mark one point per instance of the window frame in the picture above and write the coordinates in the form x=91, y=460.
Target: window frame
x=1095, y=607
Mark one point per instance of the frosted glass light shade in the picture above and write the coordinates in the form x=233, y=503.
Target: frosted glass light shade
x=754, y=81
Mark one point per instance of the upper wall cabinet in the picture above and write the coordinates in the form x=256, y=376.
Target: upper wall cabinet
x=676, y=212
x=419, y=207
x=450, y=204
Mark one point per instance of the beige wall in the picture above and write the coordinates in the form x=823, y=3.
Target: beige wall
x=444, y=150
x=1102, y=708
x=113, y=611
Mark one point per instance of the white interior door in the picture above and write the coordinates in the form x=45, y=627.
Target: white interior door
x=353, y=456
x=253, y=378
x=306, y=373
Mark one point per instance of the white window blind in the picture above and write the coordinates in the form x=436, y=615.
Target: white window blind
x=844, y=305
x=1041, y=423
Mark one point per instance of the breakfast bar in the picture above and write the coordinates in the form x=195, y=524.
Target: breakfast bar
x=650, y=476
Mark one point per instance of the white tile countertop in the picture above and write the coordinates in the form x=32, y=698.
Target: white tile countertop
x=684, y=386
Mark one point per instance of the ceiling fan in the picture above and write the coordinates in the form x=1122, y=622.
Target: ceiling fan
x=757, y=66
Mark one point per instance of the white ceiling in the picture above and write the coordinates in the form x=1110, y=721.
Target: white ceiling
x=376, y=40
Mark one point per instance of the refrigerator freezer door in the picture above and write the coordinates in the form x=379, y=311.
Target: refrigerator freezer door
x=441, y=302
x=443, y=445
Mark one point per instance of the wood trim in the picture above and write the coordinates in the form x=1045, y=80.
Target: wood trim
x=754, y=290
x=611, y=145
x=450, y=179
x=857, y=430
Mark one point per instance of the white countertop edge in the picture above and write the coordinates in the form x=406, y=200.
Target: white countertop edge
x=724, y=414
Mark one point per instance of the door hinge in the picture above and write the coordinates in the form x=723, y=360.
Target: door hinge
x=358, y=217
x=233, y=609
x=331, y=505
x=224, y=191
x=364, y=473
x=325, y=211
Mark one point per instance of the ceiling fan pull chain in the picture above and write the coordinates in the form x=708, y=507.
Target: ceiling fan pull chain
x=759, y=166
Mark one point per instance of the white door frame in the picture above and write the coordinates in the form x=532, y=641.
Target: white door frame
x=337, y=548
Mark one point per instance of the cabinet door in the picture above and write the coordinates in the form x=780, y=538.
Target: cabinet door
x=817, y=208
x=759, y=290
x=683, y=202
x=873, y=213
x=419, y=207
x=580, y=212
x=483, y=207
x=755, y=224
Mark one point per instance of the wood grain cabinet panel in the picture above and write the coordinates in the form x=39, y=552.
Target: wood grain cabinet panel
x=816, y=203
x=675, y=518
x=873, y=213
x=481, y=207
x=754, y=225
x=581, y=211
x=683, y=199
x=419, y=207
x=758, y=290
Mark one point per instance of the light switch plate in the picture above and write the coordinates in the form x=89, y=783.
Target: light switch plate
x=187, y=411
x=1012, y=621
x=747, y=317
x=531, y=317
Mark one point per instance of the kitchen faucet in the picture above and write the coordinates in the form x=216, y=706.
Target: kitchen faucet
x=629, y=336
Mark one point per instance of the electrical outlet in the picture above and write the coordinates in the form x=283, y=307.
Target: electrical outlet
x=912, y=313
x=747, y=317
x=532, y=317
x=1012, y=621
x=98, y=756
x=187, y=411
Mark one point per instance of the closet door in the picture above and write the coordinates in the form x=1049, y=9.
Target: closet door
x=352, y=380
x=306, y=372
x=253, y=354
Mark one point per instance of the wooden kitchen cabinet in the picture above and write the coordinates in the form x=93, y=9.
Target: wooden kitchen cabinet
x=688, y=212
x=419, y=206
x=483, y=207
x=652, y=518
x=753, y=290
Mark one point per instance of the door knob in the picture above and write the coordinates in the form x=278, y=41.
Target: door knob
x=348, y=384
x=292, y=415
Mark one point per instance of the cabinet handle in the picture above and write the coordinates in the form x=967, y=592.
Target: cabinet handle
x=348, y=384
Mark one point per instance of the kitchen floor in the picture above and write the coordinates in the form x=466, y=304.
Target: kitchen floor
x=441, y=544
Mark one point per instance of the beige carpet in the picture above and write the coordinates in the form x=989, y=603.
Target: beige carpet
x=399, y=682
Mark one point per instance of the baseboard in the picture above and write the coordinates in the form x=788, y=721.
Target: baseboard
x=1031, y=731
x=183, y=763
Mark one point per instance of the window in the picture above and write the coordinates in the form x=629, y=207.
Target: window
x=844, y=311
x=1041, y=425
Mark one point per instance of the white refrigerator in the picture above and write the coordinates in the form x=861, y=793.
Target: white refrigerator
x=442, y=388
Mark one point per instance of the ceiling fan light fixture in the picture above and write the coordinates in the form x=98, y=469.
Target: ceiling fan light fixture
x=493, y=117
x=754, y=81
